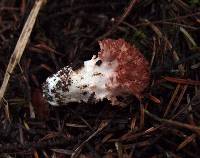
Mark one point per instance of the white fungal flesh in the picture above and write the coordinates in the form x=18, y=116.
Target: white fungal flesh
x=92, y=81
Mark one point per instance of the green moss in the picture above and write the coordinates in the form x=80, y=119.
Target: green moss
x=194, y=2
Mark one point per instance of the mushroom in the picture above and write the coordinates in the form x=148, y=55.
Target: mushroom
x=118, y=70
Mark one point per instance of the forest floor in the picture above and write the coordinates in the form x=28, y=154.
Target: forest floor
x=164, y=124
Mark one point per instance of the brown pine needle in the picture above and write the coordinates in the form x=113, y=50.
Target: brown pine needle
x=176, y=124
x=182, y=81
x=169, y=45
x=21, y=44
x=78, y=149
x=186, y=141
x=172, y=99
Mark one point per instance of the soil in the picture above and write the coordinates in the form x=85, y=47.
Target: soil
x=165, y=123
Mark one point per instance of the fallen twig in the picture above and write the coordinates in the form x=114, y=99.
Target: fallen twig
x=182, y=81
x=174, y=123
x=21, y=44
x=78, y=150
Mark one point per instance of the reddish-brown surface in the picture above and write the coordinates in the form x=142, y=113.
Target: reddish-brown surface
x=40, y=105
x=164, y=124
x=133, y=69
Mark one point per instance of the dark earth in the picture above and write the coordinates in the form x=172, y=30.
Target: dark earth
x=164, y=124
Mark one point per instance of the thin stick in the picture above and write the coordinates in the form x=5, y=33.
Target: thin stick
x=180, y=97
x=77, y=151
x=20, y=46
x=122, y=18
x=169, y=45
x=172, y=99
x=177, y=124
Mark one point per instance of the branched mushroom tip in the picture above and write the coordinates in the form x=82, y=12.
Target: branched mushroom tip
x=118, y=70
